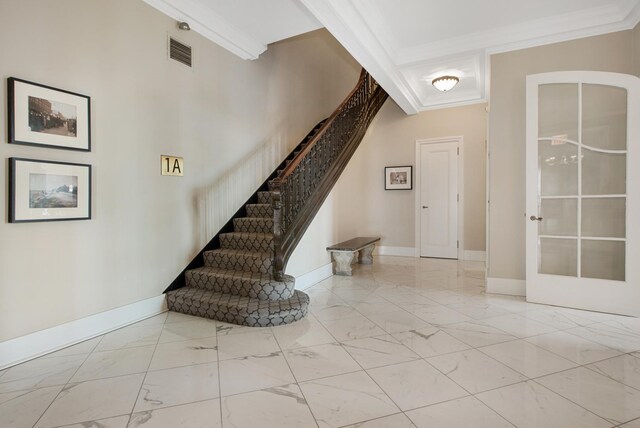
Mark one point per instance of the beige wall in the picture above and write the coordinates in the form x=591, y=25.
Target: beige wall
x=366, y=209
x=232, y=121
x=611, y=52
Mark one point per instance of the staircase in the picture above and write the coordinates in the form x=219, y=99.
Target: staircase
x=239, y=277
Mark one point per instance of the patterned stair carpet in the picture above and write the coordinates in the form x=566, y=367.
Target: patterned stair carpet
x=235, y=285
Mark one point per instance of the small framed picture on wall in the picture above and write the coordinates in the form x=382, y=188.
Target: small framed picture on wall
x=398, y=178
x=40, y=115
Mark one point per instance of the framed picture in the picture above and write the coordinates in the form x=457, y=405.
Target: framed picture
x=398, y=178
x=44, y=116
x=48, y=191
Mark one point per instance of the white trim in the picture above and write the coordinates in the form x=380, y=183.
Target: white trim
x=20, y=349
x=475, y=256
x=383, y=250
x=513, y=287
x=209, y=24
x=308, y=279
x=459, y=140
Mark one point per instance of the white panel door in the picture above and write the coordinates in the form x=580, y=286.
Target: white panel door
x=439, y=200
x=583, y=184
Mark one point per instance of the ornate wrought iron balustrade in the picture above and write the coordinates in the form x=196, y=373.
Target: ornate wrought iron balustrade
x=301, y=188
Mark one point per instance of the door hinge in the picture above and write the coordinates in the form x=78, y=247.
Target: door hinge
x=457, y=244
x=458, y=151
x=458, y=197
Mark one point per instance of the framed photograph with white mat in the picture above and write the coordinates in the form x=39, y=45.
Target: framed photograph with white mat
x=48, y=191
x=398, y=178
x=41, y=115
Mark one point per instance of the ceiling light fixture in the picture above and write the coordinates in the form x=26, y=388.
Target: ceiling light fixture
x=445, y=83
x=184, y=26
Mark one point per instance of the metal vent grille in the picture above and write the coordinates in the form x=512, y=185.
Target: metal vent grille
x=180, y=52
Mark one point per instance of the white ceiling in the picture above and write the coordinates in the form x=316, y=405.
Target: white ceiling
x=404, y=44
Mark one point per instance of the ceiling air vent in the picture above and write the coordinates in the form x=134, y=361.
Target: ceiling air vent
x=180, y=52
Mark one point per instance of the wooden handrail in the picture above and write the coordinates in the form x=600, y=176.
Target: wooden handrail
x=300, y=189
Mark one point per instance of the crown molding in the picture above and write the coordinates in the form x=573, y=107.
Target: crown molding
x=211, y=25
x=347, y=24
x=590, y=22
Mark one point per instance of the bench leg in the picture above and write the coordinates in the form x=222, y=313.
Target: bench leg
x=342, y=262
x=366, y=257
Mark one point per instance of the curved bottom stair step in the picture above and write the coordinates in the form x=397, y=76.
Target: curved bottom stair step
x=236, y=309
x=255, y=285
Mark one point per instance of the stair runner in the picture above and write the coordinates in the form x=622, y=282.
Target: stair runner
x=236, y=283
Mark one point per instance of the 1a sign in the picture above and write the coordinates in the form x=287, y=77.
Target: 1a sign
x=172, y=165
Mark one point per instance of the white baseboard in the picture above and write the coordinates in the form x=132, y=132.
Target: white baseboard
x=308, y=279
x=514, y=287
x=20, y=349
x=475, y=256
x=394, y=251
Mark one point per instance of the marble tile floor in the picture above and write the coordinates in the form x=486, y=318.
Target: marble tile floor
x=403, y=343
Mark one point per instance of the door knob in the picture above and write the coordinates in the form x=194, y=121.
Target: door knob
x=534, y=218
x=424, y=206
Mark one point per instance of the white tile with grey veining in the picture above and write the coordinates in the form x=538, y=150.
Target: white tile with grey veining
x=527, y=358
x=379, y=351
x=573, y=348
x=334, y=312
x=187, y=330
x=251, y=343
x=181, y=385
x=224, y=329
x=40, y=373
x=397, y=322
x=478, y=309
x=119, y=362
x=430, y=342
x=185, y=353
x=518, y=326
x=475, y=371
x=300, y=334
x=353, y=328
x=201, y=414
x=461, y=413
x=129, y=337
x=633, y=424
x=398, y=420
x=608, y=336
x=346, y=399
x=23, y=408
x=92, y=400
x=600, y=394
x=82, y=348
x=553, y=318
x=475, y=335
x=178, y=317
x=415, y=384
x=530, y=405
x=372, y=308
x=276, y=407
x=440, y=315
x=624, y=369
x=115, y=422
x=253, y=373
x=320, y=361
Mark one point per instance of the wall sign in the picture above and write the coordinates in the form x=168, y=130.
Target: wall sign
x=172, y=165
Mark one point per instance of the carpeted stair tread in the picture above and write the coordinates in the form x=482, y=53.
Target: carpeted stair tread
x=239, y=260
x=247, y=241
x=257, y=285
x=259, y=210
x=236, y=309
x=264, y=197
x=253, y=225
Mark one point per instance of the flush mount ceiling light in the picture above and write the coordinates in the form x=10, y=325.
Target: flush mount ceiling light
x=445, y=83
x=184, y=26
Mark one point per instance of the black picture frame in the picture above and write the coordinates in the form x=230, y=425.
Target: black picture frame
x=32, y=120
x=41, y=190
x=398, y=177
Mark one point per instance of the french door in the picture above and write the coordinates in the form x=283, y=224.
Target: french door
x=582, y=191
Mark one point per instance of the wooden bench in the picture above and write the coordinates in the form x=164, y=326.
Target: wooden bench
x=344, y=254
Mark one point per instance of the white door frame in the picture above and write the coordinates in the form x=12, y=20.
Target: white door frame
x=459, y=140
